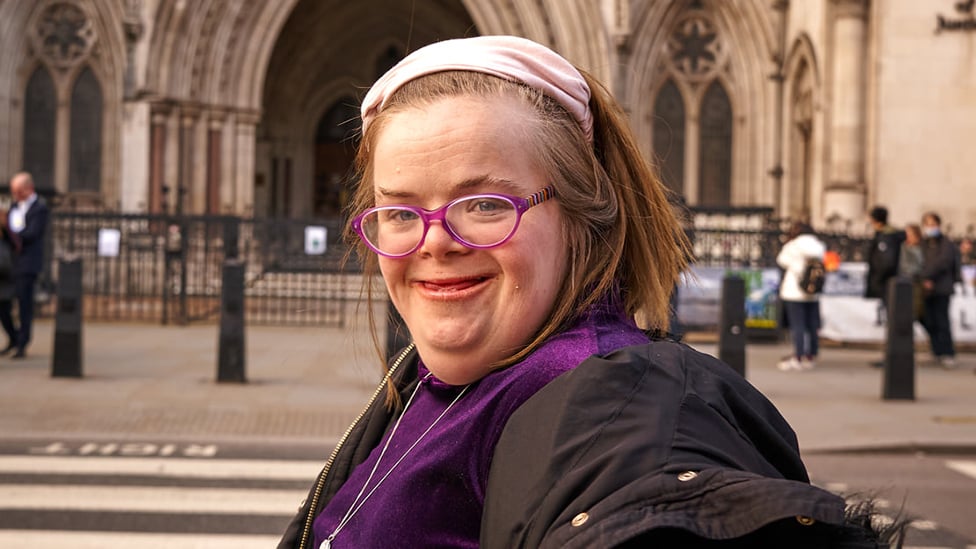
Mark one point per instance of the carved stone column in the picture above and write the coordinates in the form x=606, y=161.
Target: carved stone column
x=245, y=135
x=134, y=29
x=214, y=160
x=188, y=144
x=845, y=188
x=157, y=161
x=137, y=156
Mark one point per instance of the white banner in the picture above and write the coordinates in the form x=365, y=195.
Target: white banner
x=846, y=315
x=858, y=320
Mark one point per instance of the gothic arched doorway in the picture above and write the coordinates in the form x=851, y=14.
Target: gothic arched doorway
x=327, y=55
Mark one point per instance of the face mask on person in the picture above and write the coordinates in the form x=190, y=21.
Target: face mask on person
x=931, y=232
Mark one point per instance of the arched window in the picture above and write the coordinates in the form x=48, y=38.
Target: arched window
x=85, y=162
x=715, y=153
x=335, y=148
x=40, y=114
x=669, y=136
x=800, y=143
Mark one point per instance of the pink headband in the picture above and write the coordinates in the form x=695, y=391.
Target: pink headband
x=509, y=57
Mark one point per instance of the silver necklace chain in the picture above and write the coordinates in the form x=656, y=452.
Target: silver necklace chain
x=357, y=503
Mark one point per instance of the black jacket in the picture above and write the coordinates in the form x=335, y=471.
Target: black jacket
x=941, y=264
x=655, y=446
x=9, y=244
x=882, y=257
x=30, y=260
x=651, y=444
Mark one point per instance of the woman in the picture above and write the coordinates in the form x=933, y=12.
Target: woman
x=519, y=233
x=911, y=261
x=802, y=306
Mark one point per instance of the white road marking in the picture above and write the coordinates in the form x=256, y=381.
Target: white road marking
x=155, y=499
x=34, y=539
x=925, y=525
x=967, y=468
x=164, y=467
x=836, y=487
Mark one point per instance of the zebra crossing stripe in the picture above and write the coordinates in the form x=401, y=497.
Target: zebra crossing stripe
x=153, y=499
x=967, y=468
x=164, y=467
x=35, y=539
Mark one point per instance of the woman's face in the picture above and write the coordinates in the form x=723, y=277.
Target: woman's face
x=912, y=236
x=468, y=308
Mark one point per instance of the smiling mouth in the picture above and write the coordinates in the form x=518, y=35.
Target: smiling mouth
x=452, y=285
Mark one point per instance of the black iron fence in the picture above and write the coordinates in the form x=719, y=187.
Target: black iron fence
x=168, y=269
x=752, y=237
x=162, y=268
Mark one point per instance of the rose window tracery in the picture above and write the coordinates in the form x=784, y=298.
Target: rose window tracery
x=696, y=48
x=63, y=34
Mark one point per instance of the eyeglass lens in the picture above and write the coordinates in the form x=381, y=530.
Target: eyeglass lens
x=476, y=220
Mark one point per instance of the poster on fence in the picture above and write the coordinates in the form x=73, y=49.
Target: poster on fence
x=109, y=242
x=700, y=294
x=315, y=240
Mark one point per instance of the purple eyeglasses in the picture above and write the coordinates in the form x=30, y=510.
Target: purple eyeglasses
x=478, y=221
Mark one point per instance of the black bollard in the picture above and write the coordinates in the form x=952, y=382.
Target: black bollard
x=899, y=363
x=396, y=332
x=230, y=352
x=732, y=324
x=232, y=232
x=67, y=356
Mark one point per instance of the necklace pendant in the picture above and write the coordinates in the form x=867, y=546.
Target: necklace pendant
x=327, y=544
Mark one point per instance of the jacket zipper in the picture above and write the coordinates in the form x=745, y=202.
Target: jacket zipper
x=328, y=464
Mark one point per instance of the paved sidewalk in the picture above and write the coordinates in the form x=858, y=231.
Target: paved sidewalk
x=306, y=384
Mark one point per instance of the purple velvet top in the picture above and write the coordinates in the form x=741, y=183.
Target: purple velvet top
x=434, y=498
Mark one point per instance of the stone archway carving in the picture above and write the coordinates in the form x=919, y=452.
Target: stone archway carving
x=802, y=133
x=211, y=65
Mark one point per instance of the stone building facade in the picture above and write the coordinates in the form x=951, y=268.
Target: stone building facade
x=817, y=108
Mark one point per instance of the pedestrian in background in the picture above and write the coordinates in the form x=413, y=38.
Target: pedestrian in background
x=882, y=254
x=939, y=273
x=882, y=257
x=802, y=307
x=520, y=233
x=967, y=255
x=9, y=248
x=27, y=219
x=911, y=261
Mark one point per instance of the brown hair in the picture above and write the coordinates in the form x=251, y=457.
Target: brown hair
x=797, y=228
x=618, y=224
x=914, y=229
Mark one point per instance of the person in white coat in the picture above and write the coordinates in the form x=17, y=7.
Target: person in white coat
x=802, y=308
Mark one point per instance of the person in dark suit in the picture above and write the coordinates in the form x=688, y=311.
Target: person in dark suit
x=9, y=248
x=28, y=218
